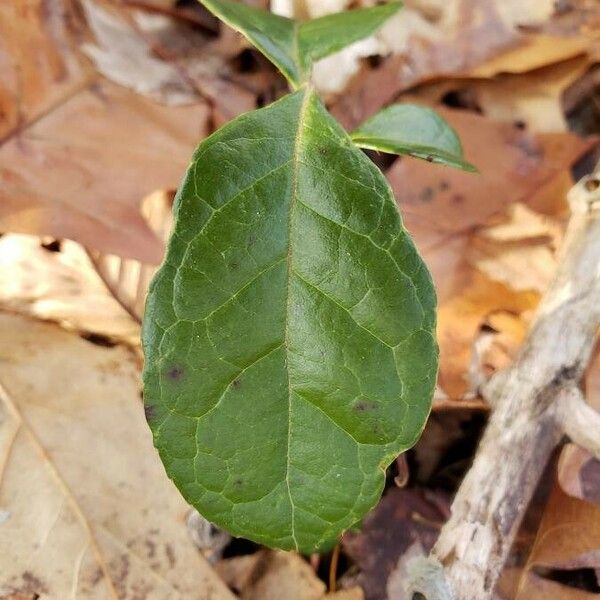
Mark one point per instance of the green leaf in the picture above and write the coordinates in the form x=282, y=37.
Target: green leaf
x=289, y=334
x=291, y=45
x=274, y=36
x=414, y=130
x=329, y=34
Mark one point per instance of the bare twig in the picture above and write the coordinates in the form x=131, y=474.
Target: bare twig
x=535, y=402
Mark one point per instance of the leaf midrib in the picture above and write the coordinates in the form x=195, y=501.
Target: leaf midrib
x=295, y=162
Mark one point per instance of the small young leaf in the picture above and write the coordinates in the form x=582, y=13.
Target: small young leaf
x=289, y=334
x=273, y=35
x=414, y=130
x=292, y=46
x=329, y=34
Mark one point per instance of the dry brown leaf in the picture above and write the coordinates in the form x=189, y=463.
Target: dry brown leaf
x=460, y=320
x=354, y=593
x=202, y=64
x=38, y=63
x=469, y=32
x=537, y=50
x=280, y=575
x=568, y=539
x=267, y=575
x=579, y=473
x=509, y=331
x=471, y=38
x=533, y=98
x=60, y=286
x=402, y=518
x=83, y=151
x=237, y=571
x=578, y=470
x=86, y=509
x=524, y=224
x=122, y=55
x=520, y=252
x=128, y=279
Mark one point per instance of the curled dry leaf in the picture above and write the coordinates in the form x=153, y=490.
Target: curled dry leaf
x=519, y=252
x=121, y=54
x=80, y=152
x=568, y=540
x=533, y=98
x=77, y=466
x=275, y=575
x=283, y=575
x=471, y=38
x=467, y=33
x=578, y=471
x=202, y=64
x=60, y=286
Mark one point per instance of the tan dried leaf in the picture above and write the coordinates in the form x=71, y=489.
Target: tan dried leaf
x=568, y=538
x=80, y=152
x=60, y=286
x=86, y=509
x=280, y=575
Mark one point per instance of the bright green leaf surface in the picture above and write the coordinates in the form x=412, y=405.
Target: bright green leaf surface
x=273, y=35
x=289, y=334
x=324, y=36
x=414, y=130
x=292, y=46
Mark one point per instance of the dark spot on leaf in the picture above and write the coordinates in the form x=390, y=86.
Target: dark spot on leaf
x=120, y=569
x=592, y=184
x=170, y=555
x=238, y=483
x=251, y=240
x=175, y=373
x=33, y=585
x=521, y=125
x=236, y=383
x=323, y=151
x=444, y=185
x=363, y=406
x=98, y=340
x=426, y=194
x=378, y=430
x=457, y=199
x=150, y=412
x=429, y=158
x=151, y=548
x=96, y=577
x=234, y=266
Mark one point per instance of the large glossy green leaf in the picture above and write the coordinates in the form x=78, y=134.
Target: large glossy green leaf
x=414, y=130
x=289, y=334
x=291, y=45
